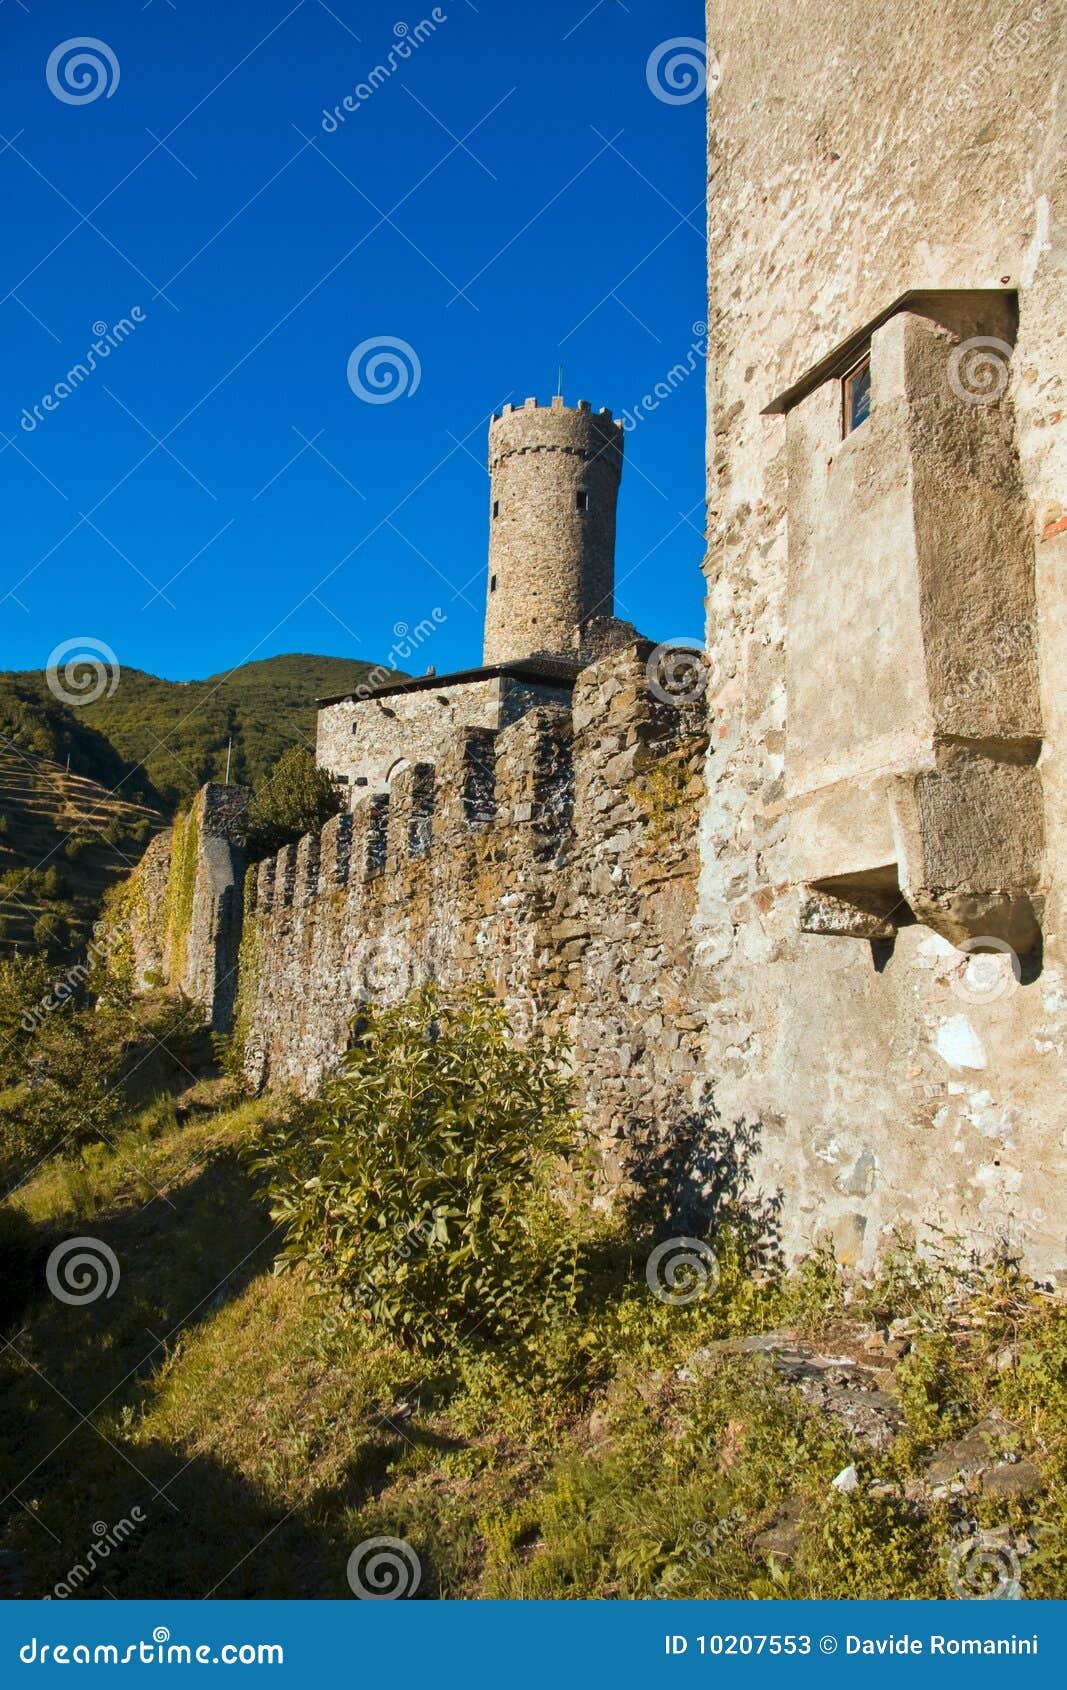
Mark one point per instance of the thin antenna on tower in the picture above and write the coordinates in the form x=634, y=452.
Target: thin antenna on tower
x=559, y=385
x=229, y=748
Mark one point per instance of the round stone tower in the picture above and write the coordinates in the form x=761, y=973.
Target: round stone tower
x=555, y=482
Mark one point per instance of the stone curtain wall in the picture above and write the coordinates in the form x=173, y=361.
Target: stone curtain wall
x=141, y=918
x=904, y=147
x=360, y=740
x=182, y=912
x=555, y=859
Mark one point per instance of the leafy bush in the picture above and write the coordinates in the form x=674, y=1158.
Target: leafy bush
x=24, y=982
x=52, y=884
x=51, y=932
x=296, y=797
x=420, y=1187
x=76, y=1059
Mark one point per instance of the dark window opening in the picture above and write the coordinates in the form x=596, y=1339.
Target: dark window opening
x=583, y=500
x=492, y=583
x=856, y=395
x=496, y=509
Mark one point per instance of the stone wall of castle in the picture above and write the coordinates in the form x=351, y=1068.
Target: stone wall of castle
x=182, y=911
x=361, y=741
x=904, y=149
x=555, y=859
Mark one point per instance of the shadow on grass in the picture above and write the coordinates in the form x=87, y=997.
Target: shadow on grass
x=73, y=1382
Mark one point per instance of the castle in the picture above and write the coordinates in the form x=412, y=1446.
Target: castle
x=554, y=483
x=825, y=891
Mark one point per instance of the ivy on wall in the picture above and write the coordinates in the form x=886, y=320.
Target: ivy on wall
x=181, y=889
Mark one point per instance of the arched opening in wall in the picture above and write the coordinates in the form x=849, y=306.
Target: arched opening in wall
x=394, y=770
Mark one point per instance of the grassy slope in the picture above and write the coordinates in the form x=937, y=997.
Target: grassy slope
x=263, y=1440
x=80, y=834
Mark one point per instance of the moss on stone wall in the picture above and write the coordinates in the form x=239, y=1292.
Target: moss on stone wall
x=669, y=787
x=247, y=980
x=115, y=929
x=181, y=888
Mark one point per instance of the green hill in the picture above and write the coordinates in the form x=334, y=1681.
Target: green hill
x=174, y=734
x=83, y=788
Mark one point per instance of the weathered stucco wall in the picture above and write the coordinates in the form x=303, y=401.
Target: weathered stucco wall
x=877, y=150
x=555, y=859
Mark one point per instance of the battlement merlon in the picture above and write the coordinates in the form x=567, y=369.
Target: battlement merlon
x=589, y=435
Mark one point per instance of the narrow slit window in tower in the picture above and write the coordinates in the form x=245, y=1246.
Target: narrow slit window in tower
x=492, y=583
x=496, y=509
x=583, y=500
x=856, y=395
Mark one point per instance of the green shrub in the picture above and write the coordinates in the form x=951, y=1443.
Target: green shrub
x=51, y=932
x=25, y=981
x=52, y=884
x=296, y=797
x=419, y=1188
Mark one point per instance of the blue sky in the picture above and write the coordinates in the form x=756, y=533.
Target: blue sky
x=512, y=196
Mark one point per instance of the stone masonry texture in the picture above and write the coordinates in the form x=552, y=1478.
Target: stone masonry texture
x=554, y=476
x=555, y=859
x=364, y=741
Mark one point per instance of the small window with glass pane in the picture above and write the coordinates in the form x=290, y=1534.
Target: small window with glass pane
x=856, y=394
